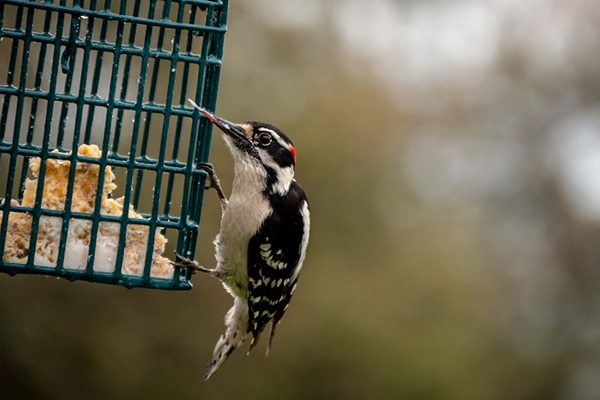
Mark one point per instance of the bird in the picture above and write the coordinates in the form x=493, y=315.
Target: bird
x=263, y=236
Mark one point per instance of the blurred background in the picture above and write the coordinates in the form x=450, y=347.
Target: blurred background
x=451, y=154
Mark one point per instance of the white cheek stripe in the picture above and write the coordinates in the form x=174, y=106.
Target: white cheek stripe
x=285, y=176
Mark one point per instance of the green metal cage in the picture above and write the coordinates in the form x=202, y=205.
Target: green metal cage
x=98, y=147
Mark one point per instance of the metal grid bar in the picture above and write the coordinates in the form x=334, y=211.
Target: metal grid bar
x=116, y=74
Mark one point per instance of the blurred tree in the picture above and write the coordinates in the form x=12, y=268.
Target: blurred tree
x=449, y=259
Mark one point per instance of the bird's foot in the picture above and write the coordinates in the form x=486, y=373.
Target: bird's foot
x=212, y=181
x=190, y=265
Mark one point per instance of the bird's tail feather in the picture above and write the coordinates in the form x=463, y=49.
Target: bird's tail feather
x=223, y=349
x=236, y=323
x=271, y=335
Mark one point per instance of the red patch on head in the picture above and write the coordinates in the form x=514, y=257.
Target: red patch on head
x=293, y=151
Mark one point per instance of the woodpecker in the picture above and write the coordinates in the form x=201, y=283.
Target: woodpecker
x=263, y=236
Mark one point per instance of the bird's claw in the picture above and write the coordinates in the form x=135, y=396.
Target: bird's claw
x=190, y=265
x=212, y=181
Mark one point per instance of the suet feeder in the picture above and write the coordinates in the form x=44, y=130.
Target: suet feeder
x=98, y=146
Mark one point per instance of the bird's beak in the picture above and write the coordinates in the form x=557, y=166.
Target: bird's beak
x=234, y=130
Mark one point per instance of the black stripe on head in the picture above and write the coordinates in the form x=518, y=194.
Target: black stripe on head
x=280, y=148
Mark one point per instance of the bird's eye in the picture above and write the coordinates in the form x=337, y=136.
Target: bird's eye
x=264, y=139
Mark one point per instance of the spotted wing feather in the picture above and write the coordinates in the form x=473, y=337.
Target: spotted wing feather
x=274, y=260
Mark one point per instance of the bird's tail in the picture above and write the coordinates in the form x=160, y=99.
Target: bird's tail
x=236, y=322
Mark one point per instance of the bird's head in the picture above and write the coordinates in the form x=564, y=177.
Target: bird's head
x=261, y=146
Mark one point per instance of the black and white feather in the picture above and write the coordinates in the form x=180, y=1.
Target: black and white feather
x=264, y=233
x=275, y=257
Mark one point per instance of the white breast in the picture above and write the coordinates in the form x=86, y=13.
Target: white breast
x=243, y=216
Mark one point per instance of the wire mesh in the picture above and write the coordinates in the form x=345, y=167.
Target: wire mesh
x=97, y=145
